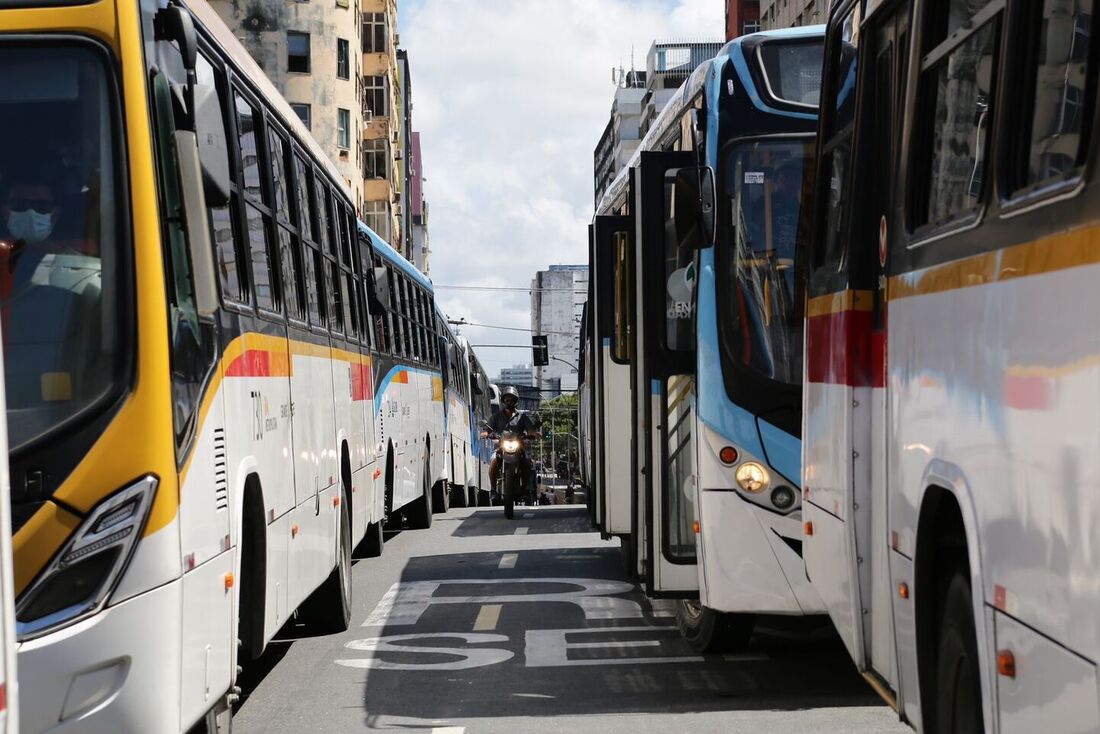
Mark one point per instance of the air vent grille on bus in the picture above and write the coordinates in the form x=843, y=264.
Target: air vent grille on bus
x=221, y=478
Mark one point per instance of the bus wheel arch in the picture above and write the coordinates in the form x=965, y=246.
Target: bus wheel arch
x=947, y=629
x=251, y=613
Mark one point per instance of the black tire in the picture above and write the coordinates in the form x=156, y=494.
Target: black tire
x=374, y=541
x=708, y=631
x=328, y=609
x=508, y=490
x=471, y=497
x=484, y=499
x=419, y=513
x=441, y=495
x=958, y=685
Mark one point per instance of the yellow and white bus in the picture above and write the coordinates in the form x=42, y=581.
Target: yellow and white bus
x=202, y=425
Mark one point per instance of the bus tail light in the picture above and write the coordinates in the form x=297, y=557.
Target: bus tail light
x=1006, y=663
x=79, y=580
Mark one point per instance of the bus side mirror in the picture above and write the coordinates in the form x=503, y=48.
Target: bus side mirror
x=693, y=207
x=380, y=293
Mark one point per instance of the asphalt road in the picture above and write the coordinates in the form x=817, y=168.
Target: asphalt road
x=480, y=624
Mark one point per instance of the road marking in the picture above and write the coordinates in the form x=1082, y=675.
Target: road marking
x=521, y=531
x=508, y=560
x=487, y=618
x=448, y=730
x=528, y=515
x=746, y=657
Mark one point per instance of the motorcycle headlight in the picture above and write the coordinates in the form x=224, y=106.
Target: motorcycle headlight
x=511, y=445
x=79, y=580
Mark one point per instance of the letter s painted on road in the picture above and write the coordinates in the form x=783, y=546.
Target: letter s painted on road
x=470, y=657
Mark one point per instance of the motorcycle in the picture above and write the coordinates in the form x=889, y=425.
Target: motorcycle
x=512, y=448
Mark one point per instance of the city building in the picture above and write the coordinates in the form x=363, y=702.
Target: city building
x=557, y=300
x=306, y=50
x=357, y=104
x=742, y=16
x=790, y=13
x=623, y=132
x=520, y=374
x=668, y=65
x=418, y=208
x=383, y=107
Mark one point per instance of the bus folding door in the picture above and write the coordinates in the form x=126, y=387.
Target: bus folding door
x=613, y=447
x=665, y=380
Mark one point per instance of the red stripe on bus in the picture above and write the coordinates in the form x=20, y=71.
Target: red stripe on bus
x=1029, y=392
x=259, y=363
x=362, y=387
x=843, y=349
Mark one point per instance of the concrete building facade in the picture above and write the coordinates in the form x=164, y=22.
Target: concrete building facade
x=622, y=135
x=517, y=375
x=557, y=299
x=792, y=13
x=383, y=105
x=668, y=65
x=418, y=207
x=308, y=51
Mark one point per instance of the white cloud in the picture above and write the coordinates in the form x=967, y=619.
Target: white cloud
x=511, y=97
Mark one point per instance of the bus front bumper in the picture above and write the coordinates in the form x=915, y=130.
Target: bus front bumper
x=116, y=672
x=752, y=559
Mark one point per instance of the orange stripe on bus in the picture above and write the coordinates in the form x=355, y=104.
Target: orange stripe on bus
x=259, y=363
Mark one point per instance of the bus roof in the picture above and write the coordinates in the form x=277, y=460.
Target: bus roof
x=669, y=116
x=395, y=258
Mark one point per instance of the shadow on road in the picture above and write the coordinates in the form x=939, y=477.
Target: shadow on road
x=552, y=519
x=491, y=639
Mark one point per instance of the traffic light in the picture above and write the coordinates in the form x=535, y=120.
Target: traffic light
x=541, y=350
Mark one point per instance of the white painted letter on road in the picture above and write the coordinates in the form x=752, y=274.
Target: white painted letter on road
x=477, y=657
x=550, y=648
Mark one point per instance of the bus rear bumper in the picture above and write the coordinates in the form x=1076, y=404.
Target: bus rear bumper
x=752, y=560
x=116, y=672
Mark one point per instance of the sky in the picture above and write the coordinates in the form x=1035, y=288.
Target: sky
x=511, y=97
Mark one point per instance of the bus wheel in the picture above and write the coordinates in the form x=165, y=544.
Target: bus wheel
x=958, y=688
x=328, y=608
x=419, y=513
x=708, y=631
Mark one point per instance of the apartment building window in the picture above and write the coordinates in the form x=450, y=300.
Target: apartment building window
x=343, y=129
x=377, y=214
x=375, y=33
x=343, y=54
x=375, y=158
x=374, y=95
x=297, y=52
x=304, y=114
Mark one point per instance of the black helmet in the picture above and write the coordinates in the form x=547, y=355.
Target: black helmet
x=509, y=392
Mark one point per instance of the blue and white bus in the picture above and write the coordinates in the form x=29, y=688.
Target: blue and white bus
x=693, y=374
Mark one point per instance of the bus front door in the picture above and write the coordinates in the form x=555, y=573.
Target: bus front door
x=665, y=381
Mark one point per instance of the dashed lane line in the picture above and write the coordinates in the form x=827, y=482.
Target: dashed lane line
x=508, y=560
x=487, y=618
x=521, y=531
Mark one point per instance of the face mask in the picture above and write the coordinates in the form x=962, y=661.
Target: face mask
x=30, y=226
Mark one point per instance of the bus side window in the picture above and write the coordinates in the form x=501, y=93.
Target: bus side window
x=955, y=103
x=257, y=215
x=621, y=348
x=1050, y=144
x=383, y=328
x=223, y=234
x=289, y=256
x=401, y=345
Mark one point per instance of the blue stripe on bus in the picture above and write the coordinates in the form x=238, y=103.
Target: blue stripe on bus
x=607, y=341
x=394, y=257
x=782, y=451
x=384, y=383
x=655, y=387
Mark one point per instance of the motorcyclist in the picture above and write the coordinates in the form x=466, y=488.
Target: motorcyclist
x=510, y=418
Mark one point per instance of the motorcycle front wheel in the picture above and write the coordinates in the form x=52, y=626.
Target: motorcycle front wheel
x=511, y=487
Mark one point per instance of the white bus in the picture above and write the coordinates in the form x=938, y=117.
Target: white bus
x=9, y=685
x=204, y=415
x=951, y=456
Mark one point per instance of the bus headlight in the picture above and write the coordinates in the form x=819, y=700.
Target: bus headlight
x=752, y=477
x=81, y=577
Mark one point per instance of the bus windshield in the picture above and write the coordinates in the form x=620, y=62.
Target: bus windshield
x=60, y=236
x=763, y=186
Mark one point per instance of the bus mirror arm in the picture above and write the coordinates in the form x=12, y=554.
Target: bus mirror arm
x=693, y=207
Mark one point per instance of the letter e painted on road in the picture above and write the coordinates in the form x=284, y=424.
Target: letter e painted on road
x=550, y=648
